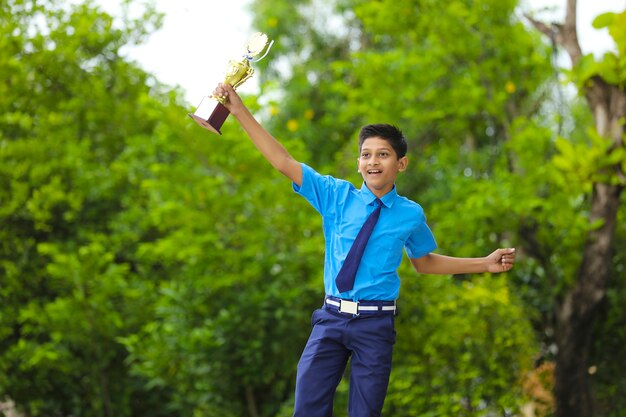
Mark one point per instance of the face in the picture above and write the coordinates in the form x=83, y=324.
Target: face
x=379, y=165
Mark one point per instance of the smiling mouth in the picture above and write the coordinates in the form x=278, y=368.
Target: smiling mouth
x=374, y=171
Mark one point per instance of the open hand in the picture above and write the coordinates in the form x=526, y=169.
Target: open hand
x=501, y=260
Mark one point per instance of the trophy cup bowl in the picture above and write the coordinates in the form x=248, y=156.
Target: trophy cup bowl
x=211, y=112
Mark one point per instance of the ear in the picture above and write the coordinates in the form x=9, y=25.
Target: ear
x=358, y=161
x=402, y=163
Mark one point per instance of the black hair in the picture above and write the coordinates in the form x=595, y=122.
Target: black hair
x=390, y=133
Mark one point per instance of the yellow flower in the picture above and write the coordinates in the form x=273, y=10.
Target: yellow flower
x=309, y=114
x=272, y=22
x=510, y=87
x=273, y=110
x=292, y=125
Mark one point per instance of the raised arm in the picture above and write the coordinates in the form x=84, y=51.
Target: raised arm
x=500, y=260
x=272, y=150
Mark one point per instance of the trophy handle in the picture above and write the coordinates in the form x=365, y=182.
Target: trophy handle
x=267, y=51
x=249, y=73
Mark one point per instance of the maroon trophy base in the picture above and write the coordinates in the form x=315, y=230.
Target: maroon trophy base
x=210, y=114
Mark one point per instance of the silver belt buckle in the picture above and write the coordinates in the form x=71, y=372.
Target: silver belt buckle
x=349, y=307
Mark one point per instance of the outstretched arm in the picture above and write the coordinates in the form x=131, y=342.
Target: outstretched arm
x=272, y=150
x=500, y=260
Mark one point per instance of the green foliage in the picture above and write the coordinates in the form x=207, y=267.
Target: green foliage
x=582, y=163
x=70, y=107
x=484, y=160
x=474, y=348
x=150, y=268
x=227, y=332
x=612, y=67
x=312, y=36
x=442, y=73
x=141, y=273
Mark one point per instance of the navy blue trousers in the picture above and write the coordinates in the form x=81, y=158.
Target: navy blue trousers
x=368, y=340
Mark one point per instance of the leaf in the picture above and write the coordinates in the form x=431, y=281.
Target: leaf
x=604, y=20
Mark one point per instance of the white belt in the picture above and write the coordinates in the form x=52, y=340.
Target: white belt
x=358, y=307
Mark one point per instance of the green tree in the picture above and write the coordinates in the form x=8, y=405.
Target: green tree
x=242, y=257
x=147, y=268
x=479, y=113
x=597, y=165
x=442, y=73
x=72, y=108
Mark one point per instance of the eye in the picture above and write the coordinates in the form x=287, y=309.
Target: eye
x=365, y=155
x=383, y=154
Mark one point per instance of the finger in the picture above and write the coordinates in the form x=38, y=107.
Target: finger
x=220, y=93
x=508, y=259
x=226, y=88
x=506, y=253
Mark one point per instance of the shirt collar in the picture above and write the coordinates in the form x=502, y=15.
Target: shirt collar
x=369, y=197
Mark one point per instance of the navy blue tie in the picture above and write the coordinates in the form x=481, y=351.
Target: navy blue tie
x=345, y=278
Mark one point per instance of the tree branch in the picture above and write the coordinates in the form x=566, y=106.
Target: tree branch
x=563, y=35
x=569, y=33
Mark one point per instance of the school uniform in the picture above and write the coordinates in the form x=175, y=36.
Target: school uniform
x=358, y=323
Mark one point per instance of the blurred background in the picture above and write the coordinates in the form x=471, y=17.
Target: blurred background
x=151, y=268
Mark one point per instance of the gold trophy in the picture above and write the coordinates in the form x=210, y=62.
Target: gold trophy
x=211, y=112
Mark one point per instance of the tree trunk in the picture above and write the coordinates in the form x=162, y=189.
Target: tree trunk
x=253, y=410
x=577, y=311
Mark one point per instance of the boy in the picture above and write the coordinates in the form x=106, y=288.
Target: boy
x=357, y=319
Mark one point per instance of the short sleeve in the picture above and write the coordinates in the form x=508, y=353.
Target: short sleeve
x=421, y=242
x=321, y=191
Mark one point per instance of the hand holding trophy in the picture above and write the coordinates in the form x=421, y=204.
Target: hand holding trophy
x=211, y=112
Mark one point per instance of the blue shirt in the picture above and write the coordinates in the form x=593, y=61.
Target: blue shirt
x=344, y=209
